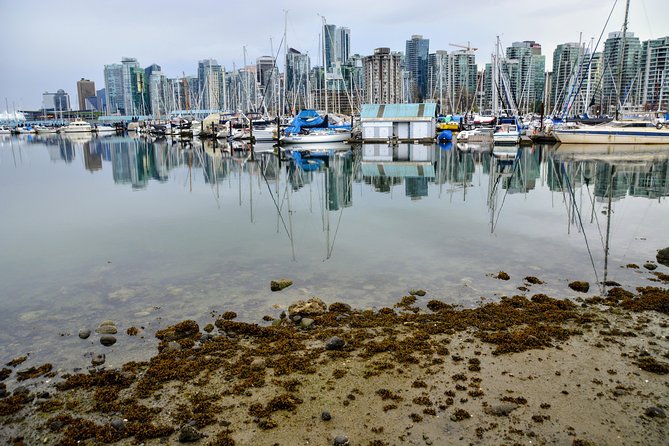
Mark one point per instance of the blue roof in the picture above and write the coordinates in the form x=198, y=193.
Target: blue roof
x=392, y=111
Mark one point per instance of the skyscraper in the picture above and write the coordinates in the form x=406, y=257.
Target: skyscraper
x=525, y=68
x=130, y=85
x=85, y=89
x=655, y=73
x=210, y=81
x=383, y=77
x=565, y=68
x=417, y=50
x=114, y=88
x=155, y=89
x=619, y=85
x=452, y=79
x=298, y=66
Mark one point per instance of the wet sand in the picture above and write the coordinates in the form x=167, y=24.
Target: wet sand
x=528, y=369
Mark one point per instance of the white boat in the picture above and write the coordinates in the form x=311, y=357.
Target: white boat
x=77, y=127
x=5, y=130
x=475, y=135
x=266, y=134
x=615, y=132
x=40, y=129
x=506, y=134
x=104, y=129
x=317, y=136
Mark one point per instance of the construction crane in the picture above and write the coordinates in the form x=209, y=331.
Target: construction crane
x=467, y=47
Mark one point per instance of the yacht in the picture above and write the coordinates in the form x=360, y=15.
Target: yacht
x=506, y=134
x=615, y=132
x=77, y=127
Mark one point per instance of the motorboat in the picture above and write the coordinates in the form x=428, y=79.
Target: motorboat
x=506, y=134
x=475, y=135
x=41, y=129
x=77, y=126
x=104, y=129
x=615, y=132
x=317, y=136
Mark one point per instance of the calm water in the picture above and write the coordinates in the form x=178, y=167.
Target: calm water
x=148, y=233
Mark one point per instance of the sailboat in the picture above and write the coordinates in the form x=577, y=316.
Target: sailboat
x=616, y=132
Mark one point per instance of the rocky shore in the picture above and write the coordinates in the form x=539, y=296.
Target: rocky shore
x=527, y=369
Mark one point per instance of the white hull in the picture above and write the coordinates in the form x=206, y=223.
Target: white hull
x=506, y=138
x=316, y=138
x=77, y=127
x=105, y=129
x=610, y=135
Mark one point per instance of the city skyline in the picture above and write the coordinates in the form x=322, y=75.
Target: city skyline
x=177, y=37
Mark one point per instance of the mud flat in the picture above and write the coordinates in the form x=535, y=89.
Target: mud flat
x=527, y=369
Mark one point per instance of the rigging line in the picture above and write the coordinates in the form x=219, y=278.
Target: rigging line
x=506, y=192
x=585, y=236
x=334, y=238
x=592, y=202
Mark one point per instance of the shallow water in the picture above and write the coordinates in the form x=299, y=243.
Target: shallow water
x=148, y=233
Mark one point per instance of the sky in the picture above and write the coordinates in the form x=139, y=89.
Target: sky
x=50, y=45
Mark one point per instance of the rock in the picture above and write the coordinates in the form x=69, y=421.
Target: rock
x=502, y=276
x=655, y=412
x=611, y=283
x=312, y=307
x=56, y=425
x=297, y=318
x=98, y=359
x=118, y=424
x=106, y=329
x=501, y=410
x=335, y=343
x=173, y=346
x=206, y=337
x=341, y=440
x=580, y=286
x=258, y=364
x=183, y=329
x=107, y=322
x=279, y=284
x=306, y=323
x=650, y=266
x=663, y=256
x=107, y=340
x=420, y=293
x=209, y=328
x=84, y=333
x=188, y=434
x=339, y=307
x=325, y=416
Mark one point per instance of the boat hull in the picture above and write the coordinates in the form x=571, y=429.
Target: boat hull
x=621, y=136
x=315, y=138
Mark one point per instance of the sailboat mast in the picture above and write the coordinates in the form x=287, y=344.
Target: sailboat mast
x=620, y=59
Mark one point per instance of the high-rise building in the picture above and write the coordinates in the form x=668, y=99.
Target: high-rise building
x=383, y=77
x=565, y=70
x=210, y=80
x=343, y=44
x=298, y=66
x=417, y=50
x=655, y=73
x=61, y=101
x=329, y=50
x=114, y=89
x=619, y=85
x=155, y=81
x=525, y=68
x=85, y=89
x=130, y=85
x=452, y=79
x=268, y=79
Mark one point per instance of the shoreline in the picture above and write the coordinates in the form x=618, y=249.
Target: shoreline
x=526, y=368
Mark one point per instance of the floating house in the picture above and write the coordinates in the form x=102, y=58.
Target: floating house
x=398, y=122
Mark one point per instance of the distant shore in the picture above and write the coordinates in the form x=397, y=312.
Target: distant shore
x=528, y=368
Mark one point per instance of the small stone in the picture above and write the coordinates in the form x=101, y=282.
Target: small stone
x=206, y=337
x=306, y=323
x=56, y=425
x=297, y=318
x=341, y=440
x=420, y=293
x=280, y=284
x=663, y=256
x=107, y=322
x=325, y=416
x=84, y=333
x=650, y=266
x=501, y=410
x=335, y=343
x=188, y=434
x=106, y=329
x=118, y=424
x=655, y=412
x=502, y=276
x=258, y=364
x=98, y=359
x=107, y=340
x=173, y=346
x=209, y=328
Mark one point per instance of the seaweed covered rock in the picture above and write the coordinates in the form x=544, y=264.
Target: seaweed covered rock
x=312, y=307
x=663, y=256
x=183, y=329
x=279, y=284
x=580, y=286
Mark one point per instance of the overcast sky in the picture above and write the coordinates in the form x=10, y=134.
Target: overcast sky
x=49, y=45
